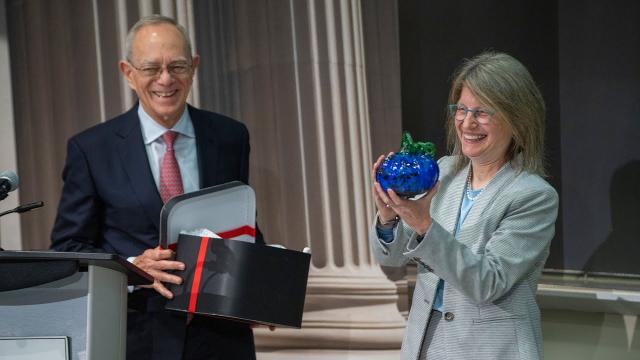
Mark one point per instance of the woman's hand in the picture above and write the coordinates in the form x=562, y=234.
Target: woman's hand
x=385, y=212
x=415, y=213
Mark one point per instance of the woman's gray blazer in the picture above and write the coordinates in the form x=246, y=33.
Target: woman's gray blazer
x=491, y=269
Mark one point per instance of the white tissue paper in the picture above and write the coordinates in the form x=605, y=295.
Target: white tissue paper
x=201, y=232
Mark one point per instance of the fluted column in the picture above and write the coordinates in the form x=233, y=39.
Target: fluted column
x=299, y=71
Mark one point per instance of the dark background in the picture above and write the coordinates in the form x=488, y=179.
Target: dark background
x=585, y=57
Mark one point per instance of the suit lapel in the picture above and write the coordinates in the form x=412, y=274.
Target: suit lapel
x=477, y=212
x=450, y=207
x=207, y=148
x=133, y=157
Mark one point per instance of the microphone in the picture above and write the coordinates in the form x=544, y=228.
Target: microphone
x=24, y=208
x=8, y=182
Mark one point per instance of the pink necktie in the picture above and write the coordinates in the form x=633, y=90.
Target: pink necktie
x=170, y=179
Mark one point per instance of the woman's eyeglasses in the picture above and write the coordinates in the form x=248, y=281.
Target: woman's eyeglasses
x=459, y=112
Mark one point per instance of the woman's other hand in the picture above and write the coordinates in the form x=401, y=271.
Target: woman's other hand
x=385, y=212
x=415, y=213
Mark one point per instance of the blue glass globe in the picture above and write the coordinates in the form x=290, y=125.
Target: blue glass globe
x=408, y=174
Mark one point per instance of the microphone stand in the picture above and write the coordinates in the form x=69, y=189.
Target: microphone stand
x=24, y=208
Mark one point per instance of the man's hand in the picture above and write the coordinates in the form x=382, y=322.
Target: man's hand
x=156, y=262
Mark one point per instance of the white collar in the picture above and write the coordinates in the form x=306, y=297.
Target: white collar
x=151, y=130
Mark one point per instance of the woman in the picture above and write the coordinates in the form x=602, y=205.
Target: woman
x=481, y=236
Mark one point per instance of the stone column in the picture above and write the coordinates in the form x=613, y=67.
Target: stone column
x=299, y=75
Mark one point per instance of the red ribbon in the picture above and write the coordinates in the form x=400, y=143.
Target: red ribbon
x=243, y=230
x=195, y=286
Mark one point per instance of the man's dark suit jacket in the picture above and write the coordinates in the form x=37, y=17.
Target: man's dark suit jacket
x=110, y=203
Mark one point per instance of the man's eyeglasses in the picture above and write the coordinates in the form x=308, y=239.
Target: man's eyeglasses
x=174, y=69
x=459, y=112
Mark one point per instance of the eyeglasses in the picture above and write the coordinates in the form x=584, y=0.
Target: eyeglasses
x=153, y=70
x=459, y=112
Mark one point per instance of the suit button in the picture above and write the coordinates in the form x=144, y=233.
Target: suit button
x=449, y=316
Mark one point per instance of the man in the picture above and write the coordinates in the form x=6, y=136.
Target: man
x=119, y=173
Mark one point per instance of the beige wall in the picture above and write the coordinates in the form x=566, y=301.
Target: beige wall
x=590, y=317
x=577, y=335
x=10, y=232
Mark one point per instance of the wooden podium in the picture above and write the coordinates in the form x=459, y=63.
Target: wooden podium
x=78, y=299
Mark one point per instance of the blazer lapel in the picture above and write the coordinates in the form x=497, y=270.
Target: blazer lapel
x=206, y=147
x=133, y=157
x=493, y=189
x=450, y=207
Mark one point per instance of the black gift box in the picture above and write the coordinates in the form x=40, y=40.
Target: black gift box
x=240, y=280
x=231, y=278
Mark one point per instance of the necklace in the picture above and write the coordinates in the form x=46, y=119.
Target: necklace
x=468, y=190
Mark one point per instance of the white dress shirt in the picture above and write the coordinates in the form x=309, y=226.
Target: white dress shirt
x=184, y=148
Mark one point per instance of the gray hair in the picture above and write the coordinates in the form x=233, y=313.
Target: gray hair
x=502, y=83
x=155, y=20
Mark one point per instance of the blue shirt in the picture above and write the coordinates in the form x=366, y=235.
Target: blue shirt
x=387, y=236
